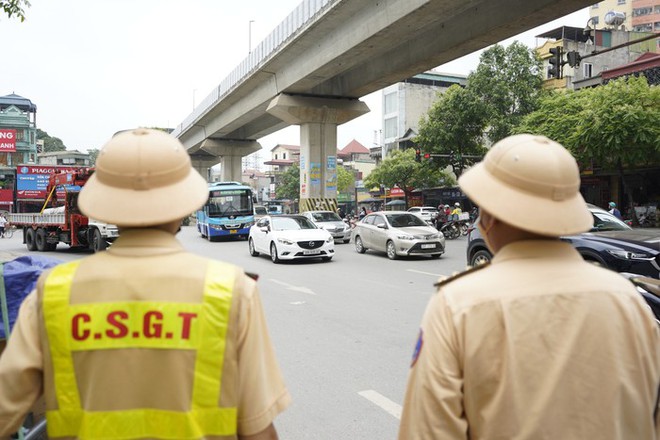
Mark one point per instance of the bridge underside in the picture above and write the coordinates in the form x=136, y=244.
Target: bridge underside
x=357, y=47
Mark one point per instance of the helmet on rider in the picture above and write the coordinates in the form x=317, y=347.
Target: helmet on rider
x=143, y=177
x=612, y=205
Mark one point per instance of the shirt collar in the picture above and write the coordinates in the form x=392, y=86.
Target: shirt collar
x=145, y=242
x=526, y=249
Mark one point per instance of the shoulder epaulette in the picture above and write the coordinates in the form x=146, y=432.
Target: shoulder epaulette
x=254, y=276
x=457, y=275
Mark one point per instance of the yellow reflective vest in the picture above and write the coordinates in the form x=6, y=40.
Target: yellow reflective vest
x=139, y=324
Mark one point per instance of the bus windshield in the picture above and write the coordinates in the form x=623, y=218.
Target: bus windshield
x=229, y=202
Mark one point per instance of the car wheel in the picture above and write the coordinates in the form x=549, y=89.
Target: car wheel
x=326, y=258
x=251, y=247
x=391, y=250
x=98, y=243
x=347, y=240
x=30, y=238
x=359, y=246
x=480, y=257
x=273, y=253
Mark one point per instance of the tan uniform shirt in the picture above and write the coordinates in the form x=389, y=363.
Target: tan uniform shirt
x=145, y=265
x=537, y=345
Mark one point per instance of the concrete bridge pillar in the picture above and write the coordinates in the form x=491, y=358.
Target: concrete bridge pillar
x=318, y=119
x=228, y=152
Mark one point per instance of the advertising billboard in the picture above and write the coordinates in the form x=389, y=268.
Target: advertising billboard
x=7, y=140
x=32, y=181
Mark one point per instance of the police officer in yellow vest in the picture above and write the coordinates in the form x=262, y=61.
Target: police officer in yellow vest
x=539, y=344
x=145, y=340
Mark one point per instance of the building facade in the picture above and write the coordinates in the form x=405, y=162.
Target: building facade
x=638, y=16
x=406, y=102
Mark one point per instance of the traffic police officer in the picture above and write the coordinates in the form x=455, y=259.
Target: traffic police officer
x=539, y=344
x=145, y=340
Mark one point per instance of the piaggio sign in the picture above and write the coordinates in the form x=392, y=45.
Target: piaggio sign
x=7, y=140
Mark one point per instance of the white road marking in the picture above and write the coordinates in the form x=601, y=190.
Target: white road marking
x=426, y=273
x=379, y=400
x=297, y=303
x=294, y=288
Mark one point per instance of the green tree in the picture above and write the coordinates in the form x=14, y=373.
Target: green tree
x=93, y=155
x=508, y=81
x=616, y=126
x=288, y=186
x=14, y=8
x=453, y=128
x=344, y=179
x=400, y=169
x=50, y=143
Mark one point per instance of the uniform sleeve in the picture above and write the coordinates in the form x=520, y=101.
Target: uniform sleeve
x=262, y=392
x=20, y=369
x=433, y=405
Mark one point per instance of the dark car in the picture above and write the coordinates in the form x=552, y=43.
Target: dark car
x=610, y=243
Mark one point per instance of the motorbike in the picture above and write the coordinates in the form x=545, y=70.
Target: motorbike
x=451, y=230
x=649, y=288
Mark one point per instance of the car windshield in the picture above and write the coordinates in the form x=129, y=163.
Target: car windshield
x=404, y=220
x=604, y=221
x=260, y=210
x=326, y=217
x=291, y=223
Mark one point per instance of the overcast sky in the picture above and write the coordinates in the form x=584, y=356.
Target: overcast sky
x=94, y=67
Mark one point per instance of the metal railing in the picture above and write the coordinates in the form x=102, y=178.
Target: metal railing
x=306, y=13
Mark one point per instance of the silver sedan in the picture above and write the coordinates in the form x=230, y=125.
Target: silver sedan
x=398, y=233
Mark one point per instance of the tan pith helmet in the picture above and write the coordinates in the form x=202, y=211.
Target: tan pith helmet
x=532, y=183
x=143, y=177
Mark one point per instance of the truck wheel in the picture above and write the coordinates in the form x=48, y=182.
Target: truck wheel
x=30, y=238
x=98, y=242
x=40, y=240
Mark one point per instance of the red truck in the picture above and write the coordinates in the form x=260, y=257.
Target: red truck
x=63, y=221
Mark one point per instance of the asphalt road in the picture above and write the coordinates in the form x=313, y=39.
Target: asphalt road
x=344, y=330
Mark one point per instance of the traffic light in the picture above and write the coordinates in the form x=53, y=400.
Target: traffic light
x=418, y=155
x=427, y=156
x=573, y=58
x=556, y=63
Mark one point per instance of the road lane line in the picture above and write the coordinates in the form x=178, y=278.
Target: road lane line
x=426, y=273
x=383, y=402
x=294, y=288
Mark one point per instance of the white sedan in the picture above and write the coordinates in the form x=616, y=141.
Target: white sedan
x=289, y=237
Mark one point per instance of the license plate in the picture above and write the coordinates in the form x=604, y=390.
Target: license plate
x=233, y=231
x=311, y=252
x=428, y=246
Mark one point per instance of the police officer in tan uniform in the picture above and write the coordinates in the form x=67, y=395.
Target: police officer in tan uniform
x=539, y=344
x=145, y=340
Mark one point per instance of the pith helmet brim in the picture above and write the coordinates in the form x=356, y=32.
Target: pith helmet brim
x=531, y=183
x=143, y=177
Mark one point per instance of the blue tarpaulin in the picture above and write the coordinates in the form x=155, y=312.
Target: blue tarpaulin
x=20, y=277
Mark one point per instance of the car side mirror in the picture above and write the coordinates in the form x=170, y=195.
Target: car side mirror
x=381, y=226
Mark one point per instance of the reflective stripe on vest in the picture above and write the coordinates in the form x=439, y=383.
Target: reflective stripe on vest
x=164, y=325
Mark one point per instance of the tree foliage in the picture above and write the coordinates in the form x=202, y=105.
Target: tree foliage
x=508, y=82
x=50, y=143
x=288, y=186
x=344, y=179
x=453, y=127
x=93, y=155
x=15, y=8
x=400, y=169
x=614, y=125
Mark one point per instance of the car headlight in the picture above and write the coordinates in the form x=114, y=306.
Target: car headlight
x=285, y=241
x=626, y=255
x=329, y=239
x=405, y=237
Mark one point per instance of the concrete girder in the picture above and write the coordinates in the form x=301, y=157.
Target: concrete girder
x=229, y=153
x=318, y=119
